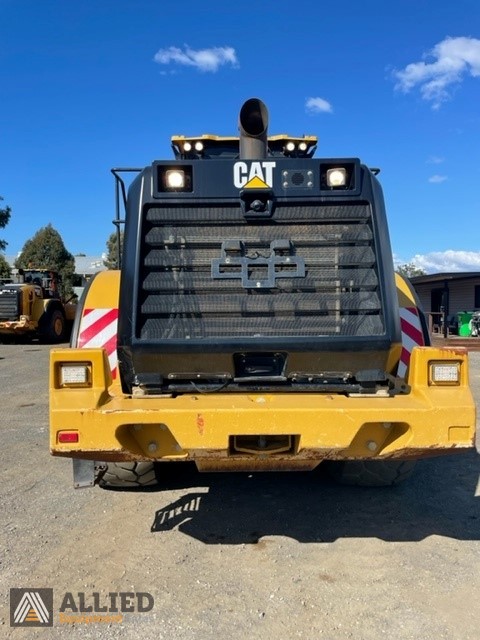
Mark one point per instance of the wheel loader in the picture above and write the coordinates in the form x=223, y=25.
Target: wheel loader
x=256, y=324
x=31, y=305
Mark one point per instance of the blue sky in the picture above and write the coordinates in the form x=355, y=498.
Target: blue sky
x=88, y=86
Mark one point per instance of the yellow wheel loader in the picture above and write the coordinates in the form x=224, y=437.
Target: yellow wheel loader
x=31, y=305
x=256, y=324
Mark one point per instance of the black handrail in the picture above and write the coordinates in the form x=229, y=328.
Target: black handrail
x=120, y=188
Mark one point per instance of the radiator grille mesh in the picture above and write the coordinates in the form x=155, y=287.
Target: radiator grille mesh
x=179, y=297
x=9, y=305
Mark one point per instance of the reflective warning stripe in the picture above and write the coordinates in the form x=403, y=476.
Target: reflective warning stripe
x=98, y=328
x=412, y=336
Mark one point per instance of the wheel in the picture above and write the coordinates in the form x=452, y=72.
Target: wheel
x=371, y=473
x=129, y=475
x=52, y=326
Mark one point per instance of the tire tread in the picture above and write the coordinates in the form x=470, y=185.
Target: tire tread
x=129, y=475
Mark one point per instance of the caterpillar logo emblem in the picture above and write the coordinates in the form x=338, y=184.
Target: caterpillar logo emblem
x=256, y=175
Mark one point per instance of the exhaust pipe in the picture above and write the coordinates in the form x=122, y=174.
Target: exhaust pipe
x=253, y=125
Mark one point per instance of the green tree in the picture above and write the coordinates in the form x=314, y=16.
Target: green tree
x=410, y=270
x=5, y=213
x=111, y=261
x=4, y=267
x=47, y=251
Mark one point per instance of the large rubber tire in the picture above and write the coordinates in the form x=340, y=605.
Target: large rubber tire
x=53, y=326
x=371, y=473
x=129, y=475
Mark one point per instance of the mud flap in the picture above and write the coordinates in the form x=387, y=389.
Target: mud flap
x=86, y=472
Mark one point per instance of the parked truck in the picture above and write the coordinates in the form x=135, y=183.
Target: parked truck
x=32, y=304
x=256, y=324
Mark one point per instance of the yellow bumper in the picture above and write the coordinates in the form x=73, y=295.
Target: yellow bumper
x=258, y=431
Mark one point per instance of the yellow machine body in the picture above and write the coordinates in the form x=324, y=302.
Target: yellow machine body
x=94, y=419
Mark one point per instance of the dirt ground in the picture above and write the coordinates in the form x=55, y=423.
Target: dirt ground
x=271, y=556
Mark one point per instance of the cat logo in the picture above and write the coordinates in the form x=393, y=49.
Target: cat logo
x=256, y=175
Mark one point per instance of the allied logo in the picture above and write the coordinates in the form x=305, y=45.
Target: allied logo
x=31, y=607
x=253, y=175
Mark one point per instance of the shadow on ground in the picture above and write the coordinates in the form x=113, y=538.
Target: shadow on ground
x=241, y=508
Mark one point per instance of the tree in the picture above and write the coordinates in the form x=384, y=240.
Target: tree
x=410, y=270
x=4, y=268
x=5, y=213
x=47, y=251
x=111, y=261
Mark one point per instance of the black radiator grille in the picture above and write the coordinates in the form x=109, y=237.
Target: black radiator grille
x=9, y=305
x=182, y=298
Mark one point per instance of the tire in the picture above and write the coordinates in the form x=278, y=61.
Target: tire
x=129, y=475
x=371, y=473
x=53, y=326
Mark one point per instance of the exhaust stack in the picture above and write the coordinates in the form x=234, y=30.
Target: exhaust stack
x=253, y=125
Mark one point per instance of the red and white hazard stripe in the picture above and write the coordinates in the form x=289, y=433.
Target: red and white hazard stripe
x=98, y=328
x=412, y=336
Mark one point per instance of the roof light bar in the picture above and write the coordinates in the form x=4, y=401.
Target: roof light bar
x=209, y=145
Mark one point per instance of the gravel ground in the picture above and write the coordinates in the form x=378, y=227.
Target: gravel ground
x=274, y=555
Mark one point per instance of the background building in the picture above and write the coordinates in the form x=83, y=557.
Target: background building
x=448, y=298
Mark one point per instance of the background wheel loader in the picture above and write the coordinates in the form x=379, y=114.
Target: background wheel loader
x=32, y=305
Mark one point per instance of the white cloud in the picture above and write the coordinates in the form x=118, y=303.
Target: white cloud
x=317, y=105
x=452, y=60
x=202, y=59
x=450, y=260
x=435, y=160
x=436, y=179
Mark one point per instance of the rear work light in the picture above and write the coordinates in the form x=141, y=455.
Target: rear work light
x=444, y=373
x=336, y=177
x=340, y=175
x=74, y=375
x=174, y=179
x=188, y=146
x=296, y=149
